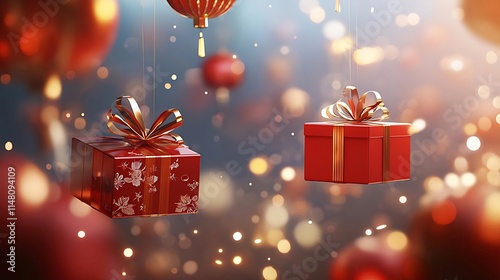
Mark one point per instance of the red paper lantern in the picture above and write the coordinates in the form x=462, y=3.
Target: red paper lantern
x=200, y=11
x=223, y=70
x=483, y=18
x=459, y=237
x=39, y=39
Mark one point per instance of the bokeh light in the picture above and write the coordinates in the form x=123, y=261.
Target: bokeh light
x=276, y=216
x=128, y=252
x=105, y=10
x=269, y=273
x=237, y=260
x=397, y=240
x=307, y=235
x=284, y=246
x=53, y=87
x=473, y=143
x=8, y=146
x=33, y=185
x=288, y=173
x=259, y=165
x=237, y=236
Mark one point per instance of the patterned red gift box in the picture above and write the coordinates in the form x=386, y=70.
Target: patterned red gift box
x=121, y=180
x=147, y=172
x=356, y=147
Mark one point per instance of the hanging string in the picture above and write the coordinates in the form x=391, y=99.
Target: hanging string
x=350, y=49
x=142, y=35
x=154, y=57
x=356, y=46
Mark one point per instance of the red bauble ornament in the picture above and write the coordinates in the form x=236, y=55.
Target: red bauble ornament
x=223, y=70
x=459, y=237
x=483, y=18
x=43, y=38
x=200, y=11
x=376, y=258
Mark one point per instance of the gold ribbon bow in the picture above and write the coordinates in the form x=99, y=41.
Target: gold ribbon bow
x=130, y=124
x=356, y=108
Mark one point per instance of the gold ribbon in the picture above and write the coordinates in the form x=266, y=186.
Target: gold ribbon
x=129, y=123
x=338, y=140
x=356, y=108
x=337, y=6
x=338, y=153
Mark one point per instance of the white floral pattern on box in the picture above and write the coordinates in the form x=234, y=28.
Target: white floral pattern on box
x=187, y=204
x=137, y=175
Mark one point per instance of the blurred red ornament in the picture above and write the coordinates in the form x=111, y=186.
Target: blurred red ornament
x=483, y=18
x=68, y=38
x=52, y=243
x=459, y=237
x=376, y=258
x=223, y=70
x=200, y=11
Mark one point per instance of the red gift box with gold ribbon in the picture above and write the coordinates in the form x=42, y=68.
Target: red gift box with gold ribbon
x=356, y=147
x=145, y=173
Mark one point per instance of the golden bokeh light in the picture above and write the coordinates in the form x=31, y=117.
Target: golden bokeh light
x=8, y=146
x=53, y=87
x=433, y=184
x=278, y=200
x=368, y=55
x=259, y=165
x=489, y=221
x=397, y=240
x=341, y=45
x=237, y=260
x=284, y=246
x=105, y=11
x=79, y=209
x=269, y=273
x=33, y=185
x=307, y=235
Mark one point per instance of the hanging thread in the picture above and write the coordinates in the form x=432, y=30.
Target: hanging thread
x=154, y=57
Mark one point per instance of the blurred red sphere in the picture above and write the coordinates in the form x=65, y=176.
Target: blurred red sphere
x=52, y=243
x=376, y=258
x=223, y=70
x=62, y=37
x=459, y=237
x=483, y=18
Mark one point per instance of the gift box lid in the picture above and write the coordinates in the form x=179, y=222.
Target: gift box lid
x=356, y=130
x=117, y=148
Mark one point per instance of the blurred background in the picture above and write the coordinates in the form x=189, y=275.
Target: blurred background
x=435, y=63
